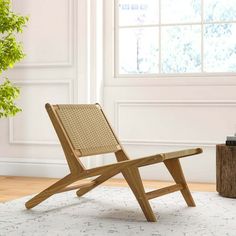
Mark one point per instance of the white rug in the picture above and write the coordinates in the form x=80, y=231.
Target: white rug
x=115, y=211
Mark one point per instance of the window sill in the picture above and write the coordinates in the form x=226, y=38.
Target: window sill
x=174, y=80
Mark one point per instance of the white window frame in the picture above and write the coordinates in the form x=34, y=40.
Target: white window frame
x=115, y=34
x=111, y=80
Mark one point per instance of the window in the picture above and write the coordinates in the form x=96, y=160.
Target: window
x=175, y=36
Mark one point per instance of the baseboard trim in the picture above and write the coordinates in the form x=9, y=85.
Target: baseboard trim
x=33, y=167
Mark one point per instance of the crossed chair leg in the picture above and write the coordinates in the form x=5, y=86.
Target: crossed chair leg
x=48, y=192
x=62, y=186
x=132, y=176
x=134, y=181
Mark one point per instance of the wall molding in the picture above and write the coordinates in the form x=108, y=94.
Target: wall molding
x=184, y=143
x=183, y=103
x=71, y=19
x=33, y=167
x=69, y=83
x=22, y=160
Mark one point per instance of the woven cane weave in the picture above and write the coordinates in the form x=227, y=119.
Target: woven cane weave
x=87, y=129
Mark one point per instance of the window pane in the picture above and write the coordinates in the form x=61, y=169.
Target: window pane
x=138, y=50
x=181, y=49
x=180, y=11
x=219, y=10
x=220, y=48
x=138, y=12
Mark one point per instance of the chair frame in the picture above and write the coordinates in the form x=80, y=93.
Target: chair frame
x=124, y=165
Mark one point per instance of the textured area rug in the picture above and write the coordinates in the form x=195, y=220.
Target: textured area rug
x=115, y=211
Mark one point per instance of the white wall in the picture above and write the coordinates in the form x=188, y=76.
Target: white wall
x=164, y=114
x=54, y=71
x=63, y=65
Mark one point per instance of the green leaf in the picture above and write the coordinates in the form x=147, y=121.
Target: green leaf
x=11, y=52
x=8, y=94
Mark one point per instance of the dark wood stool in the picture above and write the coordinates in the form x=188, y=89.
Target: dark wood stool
x=226, y=170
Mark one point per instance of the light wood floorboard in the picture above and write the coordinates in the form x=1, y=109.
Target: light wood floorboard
x=13, y=187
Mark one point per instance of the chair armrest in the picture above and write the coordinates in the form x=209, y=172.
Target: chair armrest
x=176, y=154
x=182, y=153
x=143, y=161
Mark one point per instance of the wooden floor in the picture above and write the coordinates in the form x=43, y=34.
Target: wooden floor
x=12, y=187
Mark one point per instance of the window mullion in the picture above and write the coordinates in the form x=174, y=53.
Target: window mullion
x=202, y=36
x=157, y=25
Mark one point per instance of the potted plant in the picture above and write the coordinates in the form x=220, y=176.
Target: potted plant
x=11, y=51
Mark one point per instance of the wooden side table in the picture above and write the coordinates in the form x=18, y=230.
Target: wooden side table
x=226, y=170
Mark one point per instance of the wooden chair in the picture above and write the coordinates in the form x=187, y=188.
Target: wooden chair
x=83, y=130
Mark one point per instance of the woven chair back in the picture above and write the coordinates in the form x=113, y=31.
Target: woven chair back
x=88, y=129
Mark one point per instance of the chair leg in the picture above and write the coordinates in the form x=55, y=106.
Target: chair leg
x=174, y=167
x=134, y=180
x=62, y=183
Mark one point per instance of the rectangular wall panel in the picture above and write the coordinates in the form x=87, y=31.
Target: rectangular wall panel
x=147, y=127
x=47, y=38
x=32, y=125
x=187, y=122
